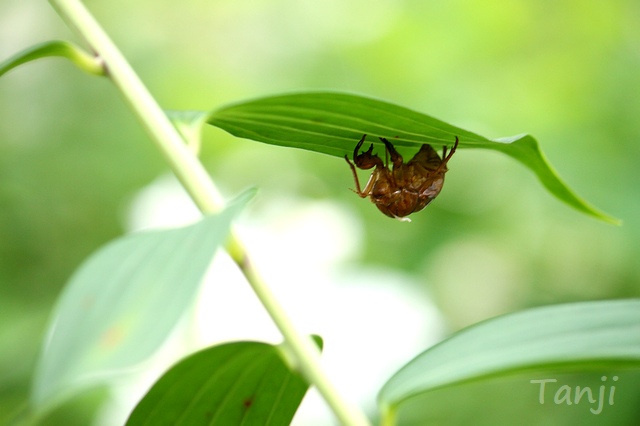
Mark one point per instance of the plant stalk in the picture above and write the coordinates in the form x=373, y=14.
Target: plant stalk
x=203, y=191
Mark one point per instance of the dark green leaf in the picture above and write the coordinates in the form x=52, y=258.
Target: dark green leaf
x=581, y=336
x=75, y=54
x=332, y=123
x=123, y=301
x=241, y=383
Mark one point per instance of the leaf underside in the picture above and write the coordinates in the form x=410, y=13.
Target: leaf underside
x=332, y=123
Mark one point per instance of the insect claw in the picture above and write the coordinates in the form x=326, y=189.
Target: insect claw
x=366, y=159
x=360, y=142
x=369, y=151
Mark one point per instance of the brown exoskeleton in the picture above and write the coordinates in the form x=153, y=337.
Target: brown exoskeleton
x=406, y=188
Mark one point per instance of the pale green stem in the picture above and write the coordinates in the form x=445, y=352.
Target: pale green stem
x=197, y=182
x=186, y=166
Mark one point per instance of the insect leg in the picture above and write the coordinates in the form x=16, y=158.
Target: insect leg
x=396, y=158
x=367, y=159
x=355, y=151
x=445, y=157
x=355, y=177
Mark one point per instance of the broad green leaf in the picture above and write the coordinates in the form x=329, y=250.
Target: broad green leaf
x=123, y=301
x=332, y=123
x=590, y=336
x=515, y=400
x=75, y=54
x=241, y=383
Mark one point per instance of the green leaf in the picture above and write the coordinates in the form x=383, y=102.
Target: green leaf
x=123, y=301
x=580, y=337
x=231, y=384
x=332, y=123
x=83, y=60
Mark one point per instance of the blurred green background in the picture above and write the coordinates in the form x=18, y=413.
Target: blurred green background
x=72, y=156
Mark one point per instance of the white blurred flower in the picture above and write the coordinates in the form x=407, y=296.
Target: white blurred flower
x=372, y=320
